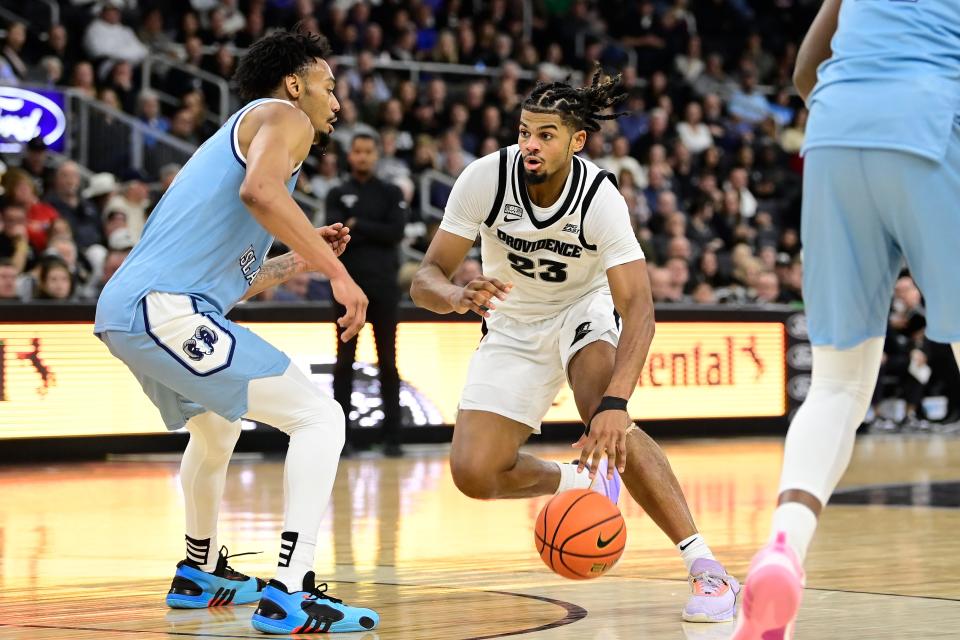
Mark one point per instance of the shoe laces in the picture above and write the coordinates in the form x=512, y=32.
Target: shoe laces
x=225, y=555
x=320, y=592
x=710, y=583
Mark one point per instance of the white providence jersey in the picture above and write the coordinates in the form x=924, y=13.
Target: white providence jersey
x=554, y=256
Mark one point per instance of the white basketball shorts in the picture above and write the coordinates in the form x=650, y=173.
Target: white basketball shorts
x=519, y=367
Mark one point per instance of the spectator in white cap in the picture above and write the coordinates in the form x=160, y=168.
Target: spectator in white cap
x=133, y=199
x=99, y=190
x=108, y=37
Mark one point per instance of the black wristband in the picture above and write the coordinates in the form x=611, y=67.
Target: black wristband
x=608, y=403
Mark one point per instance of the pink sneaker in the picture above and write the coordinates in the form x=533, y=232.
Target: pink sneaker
x=771, y=594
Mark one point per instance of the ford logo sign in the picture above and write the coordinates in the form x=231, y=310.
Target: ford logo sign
x=26, y=114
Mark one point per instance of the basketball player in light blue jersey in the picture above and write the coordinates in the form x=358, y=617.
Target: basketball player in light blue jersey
x=163, y=314
x=881, y=185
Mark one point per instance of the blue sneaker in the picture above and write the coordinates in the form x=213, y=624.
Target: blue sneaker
x=194, y=588
x=308, y=611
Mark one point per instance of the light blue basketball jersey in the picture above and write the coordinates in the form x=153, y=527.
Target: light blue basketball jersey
x=893, y=81
x=200, y=239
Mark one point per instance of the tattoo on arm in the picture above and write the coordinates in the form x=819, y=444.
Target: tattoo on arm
x=273, y=272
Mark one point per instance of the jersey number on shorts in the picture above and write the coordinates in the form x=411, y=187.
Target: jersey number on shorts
x=549, y=270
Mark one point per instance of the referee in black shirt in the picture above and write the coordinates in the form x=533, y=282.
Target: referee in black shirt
x=376, y=213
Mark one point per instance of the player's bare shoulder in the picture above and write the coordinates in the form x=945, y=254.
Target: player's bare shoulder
x=475, y=192
x=288, y=121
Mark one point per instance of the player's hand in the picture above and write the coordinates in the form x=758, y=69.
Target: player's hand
x=607, y=436
x=347, y=293
x=336, y=236
x=478, y=295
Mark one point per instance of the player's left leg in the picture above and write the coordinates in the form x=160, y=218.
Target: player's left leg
x=850, y=261
x=293, y=602
x=647, y=476
x=383, y=315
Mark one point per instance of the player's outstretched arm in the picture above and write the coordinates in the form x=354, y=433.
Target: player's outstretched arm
x=432, y=289
x=815, y=47
x=630, y=288
x=280, y=138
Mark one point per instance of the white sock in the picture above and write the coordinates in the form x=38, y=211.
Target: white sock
x=798, y=522
x=692, y=549
x=296, y=559
x=570, y=479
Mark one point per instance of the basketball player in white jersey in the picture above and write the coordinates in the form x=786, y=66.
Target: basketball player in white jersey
x=565, y=297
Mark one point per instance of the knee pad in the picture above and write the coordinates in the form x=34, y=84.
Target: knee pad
x=291, y=403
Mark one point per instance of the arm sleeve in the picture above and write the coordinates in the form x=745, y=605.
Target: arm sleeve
x=471, y=198
x=608, y=227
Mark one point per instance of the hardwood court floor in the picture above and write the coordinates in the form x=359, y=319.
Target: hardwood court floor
x=87, y=550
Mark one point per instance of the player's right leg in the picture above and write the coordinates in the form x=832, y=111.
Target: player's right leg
x=343, y=380
x=647, y=475
x=292, y=602
x=486, y=462
x=512, y=380
x=850, y=262
x=383, y=314
x=203, y=578
x=920, y=195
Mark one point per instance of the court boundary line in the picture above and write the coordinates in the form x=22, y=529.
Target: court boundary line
x=574, y=613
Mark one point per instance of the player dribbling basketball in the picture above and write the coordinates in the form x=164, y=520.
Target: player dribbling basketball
x=564, y=296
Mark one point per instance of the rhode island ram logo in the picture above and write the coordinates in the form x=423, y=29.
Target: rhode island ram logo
x=201, y=344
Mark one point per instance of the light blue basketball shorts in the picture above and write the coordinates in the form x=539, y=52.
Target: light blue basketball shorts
x=190, y=359
x=864, y=211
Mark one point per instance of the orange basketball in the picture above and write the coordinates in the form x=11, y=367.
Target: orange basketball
x=580, y=534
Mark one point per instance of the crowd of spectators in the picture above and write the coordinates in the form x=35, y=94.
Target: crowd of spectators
x=707, y=160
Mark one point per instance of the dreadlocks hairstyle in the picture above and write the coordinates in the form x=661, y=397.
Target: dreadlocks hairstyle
x=579, y=108
x=273, y=58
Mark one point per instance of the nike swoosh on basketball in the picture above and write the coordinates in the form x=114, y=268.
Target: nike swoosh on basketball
x=601, y=543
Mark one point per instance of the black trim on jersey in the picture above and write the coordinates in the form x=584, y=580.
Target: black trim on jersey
x=581, y=188
x=564, y=208
x=513, y=177
x=501, y=190
x=588, y=199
